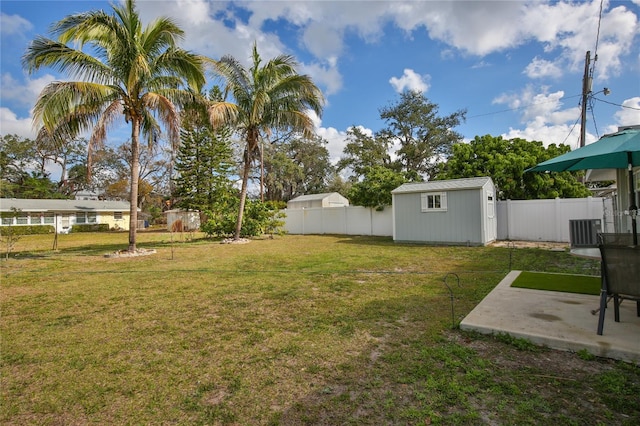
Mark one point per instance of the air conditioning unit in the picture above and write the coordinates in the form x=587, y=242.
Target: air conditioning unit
x=584, y=232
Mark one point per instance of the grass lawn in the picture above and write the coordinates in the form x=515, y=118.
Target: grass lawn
x=581, y=284
x=295, y=330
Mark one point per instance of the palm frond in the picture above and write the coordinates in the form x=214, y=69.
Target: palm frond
x=223, y=113
x=167, y=112
x=44, y=52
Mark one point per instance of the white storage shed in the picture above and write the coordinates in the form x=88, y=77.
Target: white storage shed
x=182, y=220
x=457, y=212
x=329, y=199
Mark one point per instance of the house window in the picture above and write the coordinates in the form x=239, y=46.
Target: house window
x=81, y=218
x=22, y=219
x=434, y=202
x=7, y=220
x=117, y=215
x=92, y=217
x=49, y=218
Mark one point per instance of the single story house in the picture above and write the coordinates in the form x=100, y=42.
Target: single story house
x=328, y=199
x=63, y=214
x=457, y=211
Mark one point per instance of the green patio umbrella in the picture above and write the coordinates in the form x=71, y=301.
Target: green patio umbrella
x=619, y=150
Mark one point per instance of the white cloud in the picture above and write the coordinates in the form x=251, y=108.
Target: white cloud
x=410, y=80
x=336, y=139
x=14, y=92
x=539, y=130
x=540, y=68
x=324, y=75
x=322, y=40
x=12, y=125
x=544, y=117
x=629, y=115
x=14, y=25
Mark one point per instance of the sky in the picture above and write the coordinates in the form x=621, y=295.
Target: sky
x=516, y=67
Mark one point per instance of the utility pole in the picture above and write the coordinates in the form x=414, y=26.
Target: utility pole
x=586, y=89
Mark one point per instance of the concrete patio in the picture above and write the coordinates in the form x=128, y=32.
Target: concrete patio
x=558, y=320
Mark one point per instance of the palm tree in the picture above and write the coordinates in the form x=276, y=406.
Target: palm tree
x=265, y=98
x=124, y=69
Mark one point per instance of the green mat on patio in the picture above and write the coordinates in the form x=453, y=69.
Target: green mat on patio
x=582, y=284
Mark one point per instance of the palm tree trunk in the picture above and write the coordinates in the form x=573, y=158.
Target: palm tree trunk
x=135, y=172
x=243, y=193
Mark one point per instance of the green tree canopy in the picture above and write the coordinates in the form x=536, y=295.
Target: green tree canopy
x=505, y=162
x=296, y=166
x=374, y=190
x=25, y=164
x=425, y=137
x=124, y=70
x=363, y=152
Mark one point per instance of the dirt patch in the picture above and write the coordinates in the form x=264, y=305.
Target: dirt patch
x=234, y=241
x=544, y=245
x=127, y=253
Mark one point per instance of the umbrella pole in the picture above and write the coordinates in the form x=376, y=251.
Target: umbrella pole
x=633, y=208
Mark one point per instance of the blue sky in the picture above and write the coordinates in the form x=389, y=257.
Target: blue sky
x=515, y=66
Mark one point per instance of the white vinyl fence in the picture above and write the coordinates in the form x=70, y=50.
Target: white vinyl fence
x=548, y=220
x=350, y=220
x=529, y=220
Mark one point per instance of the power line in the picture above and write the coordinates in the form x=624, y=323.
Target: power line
x=520, y=107
x=571, y=131
x=595, y=53
x=593, y=117
x=614, y=104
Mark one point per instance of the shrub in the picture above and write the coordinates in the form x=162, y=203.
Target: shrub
x=27, y=230
x=259, y=218
x=90, y=227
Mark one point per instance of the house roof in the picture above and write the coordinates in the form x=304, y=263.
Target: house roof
x=40, y=205
x=443, y=185
x=313, y=197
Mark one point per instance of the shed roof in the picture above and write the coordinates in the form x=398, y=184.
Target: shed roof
x=41, y=205
x=314, y=197
x=443, y=185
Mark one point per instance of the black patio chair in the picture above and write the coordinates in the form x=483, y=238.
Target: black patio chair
x=620, y=278
x=611, y=239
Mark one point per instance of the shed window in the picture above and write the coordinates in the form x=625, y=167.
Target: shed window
x=434, y=202
x=117, y=215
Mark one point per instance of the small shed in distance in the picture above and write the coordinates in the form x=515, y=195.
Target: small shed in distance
x=182, y=220
x=329, y=199
x=457, y=211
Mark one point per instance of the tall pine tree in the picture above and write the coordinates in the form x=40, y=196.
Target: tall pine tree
x=204, y=164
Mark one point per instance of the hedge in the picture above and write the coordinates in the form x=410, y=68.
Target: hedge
x=93, y=227
x=27, y=230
